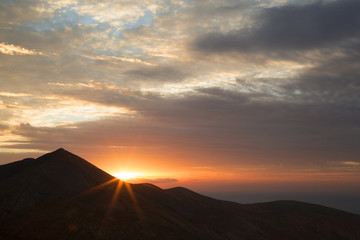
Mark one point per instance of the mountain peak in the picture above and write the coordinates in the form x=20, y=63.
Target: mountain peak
x=61, y=150
x=33, y=180
x=68, y=163
x=61, y=155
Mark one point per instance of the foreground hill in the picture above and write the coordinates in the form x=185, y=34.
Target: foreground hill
x=62, y=196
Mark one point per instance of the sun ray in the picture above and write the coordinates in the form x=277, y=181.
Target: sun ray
x=112, y=203
x=136, y=206
x=94, y=189
x=133, y=198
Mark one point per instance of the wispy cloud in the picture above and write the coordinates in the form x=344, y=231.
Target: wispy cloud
x=11, y=94
x=123, y=59
x=11, y=49
x=351, y=163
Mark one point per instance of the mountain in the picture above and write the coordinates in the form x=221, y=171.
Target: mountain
x=61, y=196
x=56, y=175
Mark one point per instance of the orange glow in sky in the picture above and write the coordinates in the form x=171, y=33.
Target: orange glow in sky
x=125, y=175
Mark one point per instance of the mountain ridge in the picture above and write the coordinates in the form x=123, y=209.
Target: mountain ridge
x=61, y=196
x=33, y=181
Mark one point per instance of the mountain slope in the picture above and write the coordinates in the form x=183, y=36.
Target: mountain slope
x=61, y=196
x=53, y=176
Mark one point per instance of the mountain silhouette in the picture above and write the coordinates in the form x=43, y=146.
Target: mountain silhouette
x=62, y=196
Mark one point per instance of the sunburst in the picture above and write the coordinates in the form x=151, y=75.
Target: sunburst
x=125, y=175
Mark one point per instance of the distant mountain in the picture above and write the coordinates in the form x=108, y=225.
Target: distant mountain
x=61, y=196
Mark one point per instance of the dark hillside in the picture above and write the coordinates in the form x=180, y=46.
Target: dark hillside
x=62, y=196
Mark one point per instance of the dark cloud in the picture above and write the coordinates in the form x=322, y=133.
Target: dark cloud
x=3, y=127
x=157, y=74
x=19, y=11
x=220, y=93
x=320, y=105
x=208, y=9
x=291, y=27
x=216, y=128
x=333, y=82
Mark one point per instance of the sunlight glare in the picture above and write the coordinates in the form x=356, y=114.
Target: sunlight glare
x=124, y=175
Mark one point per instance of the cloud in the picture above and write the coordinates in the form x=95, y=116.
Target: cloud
x=334, y=81
x=10, y=94
x=119, y=12
x=290, y=27
x=157, y=73
x=227, y=95
x=16, y=12
x=297, y=105
x=352, y=163
x=53, y=110
x=11, y=49
x=112, y=58
x=3, y=127
x=219, y=125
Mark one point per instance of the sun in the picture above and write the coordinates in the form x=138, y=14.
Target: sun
x=125, y=175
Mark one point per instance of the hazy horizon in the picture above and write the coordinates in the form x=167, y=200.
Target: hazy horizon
x=245, y=193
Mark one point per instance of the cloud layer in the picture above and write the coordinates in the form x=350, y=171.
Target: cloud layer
x=267, y=84
x=291, y=28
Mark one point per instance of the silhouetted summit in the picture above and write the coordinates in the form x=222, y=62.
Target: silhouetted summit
x=61, y=196
x=53, y=176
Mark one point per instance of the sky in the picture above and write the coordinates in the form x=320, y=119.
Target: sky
x=215, y=95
